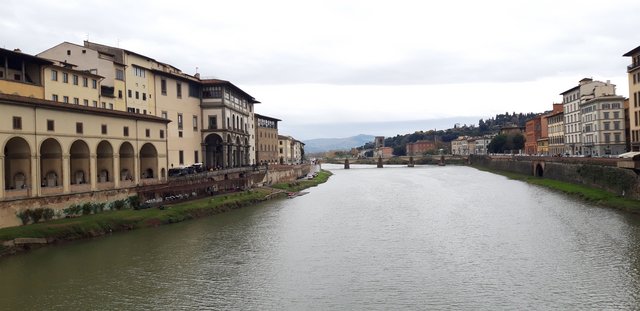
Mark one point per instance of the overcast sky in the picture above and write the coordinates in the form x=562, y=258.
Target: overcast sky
x=344, y=62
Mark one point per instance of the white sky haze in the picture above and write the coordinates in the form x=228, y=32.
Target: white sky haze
x=341, y=63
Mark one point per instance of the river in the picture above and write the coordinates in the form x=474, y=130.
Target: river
x=428, y=237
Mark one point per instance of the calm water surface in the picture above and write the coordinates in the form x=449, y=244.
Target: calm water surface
x=433, y=238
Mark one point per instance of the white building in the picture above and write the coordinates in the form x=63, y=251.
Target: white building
x=603, y=126
x=572, y=99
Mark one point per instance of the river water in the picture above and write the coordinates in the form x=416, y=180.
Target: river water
x=423, y=238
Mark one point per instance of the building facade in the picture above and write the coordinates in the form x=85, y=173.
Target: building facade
x=52, y=149
x=266, y=139
x=603, y=126
x=21, y=74
x=533, y=132
x=460, y=146
x=633, y=72
x=482, y=144
x=177, y=98
x=290, y=150
x=229, y=114
x=586, y=89
x=110, y=68
x=556, y=133
x=420, y=148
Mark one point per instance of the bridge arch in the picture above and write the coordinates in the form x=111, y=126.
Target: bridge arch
x=538, y=169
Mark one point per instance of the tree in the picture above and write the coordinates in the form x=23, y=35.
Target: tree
x=399, y=151
x=497, y=144
x=518, y=141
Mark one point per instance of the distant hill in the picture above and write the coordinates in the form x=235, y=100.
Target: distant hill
x=327, y=144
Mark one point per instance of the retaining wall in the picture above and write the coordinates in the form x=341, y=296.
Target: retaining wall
x=274, y=174
x=620, y=181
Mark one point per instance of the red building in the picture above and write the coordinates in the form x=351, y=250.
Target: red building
x=532, y=132
x=420, y=147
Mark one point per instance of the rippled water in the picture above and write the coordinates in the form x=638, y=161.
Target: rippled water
x=369, y=239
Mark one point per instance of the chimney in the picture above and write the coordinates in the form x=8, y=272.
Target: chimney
x=17, y=50
x=197, y=75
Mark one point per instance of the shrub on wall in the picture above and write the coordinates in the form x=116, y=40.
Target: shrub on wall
x=36, y=214
x=86, y=208
x=72, y=210
x=118, y=204
x=24, y=216
x=134, y=201
x=48, y=214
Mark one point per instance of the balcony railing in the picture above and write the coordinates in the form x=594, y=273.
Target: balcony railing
x=632, y=67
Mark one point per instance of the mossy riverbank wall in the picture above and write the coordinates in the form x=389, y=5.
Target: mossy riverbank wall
x=597, y=173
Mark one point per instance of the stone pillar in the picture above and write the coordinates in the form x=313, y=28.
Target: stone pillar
x=2, y=177
x=36, y=176
x=93, y=171
x=159, y=167
x=116, y=170
x=380, y=162
x=346, y=164
x=411, y=164
x=66, y=174
x=224, y=155
x=136, y=168
x=205, y=160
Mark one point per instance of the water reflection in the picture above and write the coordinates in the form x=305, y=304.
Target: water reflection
x=393, y=238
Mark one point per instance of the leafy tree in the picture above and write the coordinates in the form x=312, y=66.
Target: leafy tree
x=497, y=144
x=518, y=141
x=399, y=151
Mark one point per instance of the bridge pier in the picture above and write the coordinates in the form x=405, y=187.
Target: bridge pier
x=441, y=163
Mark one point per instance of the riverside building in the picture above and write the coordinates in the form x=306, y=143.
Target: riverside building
x=266, y=139
x=572, y=99
x=54, y=147
x=633, y=72
x=212, y=120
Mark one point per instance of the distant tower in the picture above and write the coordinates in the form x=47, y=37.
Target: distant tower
x=379, y=141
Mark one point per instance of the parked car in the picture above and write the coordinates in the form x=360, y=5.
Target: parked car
x=175, y=172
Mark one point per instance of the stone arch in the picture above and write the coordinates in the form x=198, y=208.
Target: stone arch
x=126, y=161
x=17, y=163
x=539, y=170
x=79, y=165
x=148, y=161
x=51, y=163
x=104, y=161
x=214, y=151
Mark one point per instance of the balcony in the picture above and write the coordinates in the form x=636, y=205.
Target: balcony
x=633, y=67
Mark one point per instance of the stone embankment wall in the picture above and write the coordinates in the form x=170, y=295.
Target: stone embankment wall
x=9, y=209
x=598, y=173
x=274, y=174
x=285, y=173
